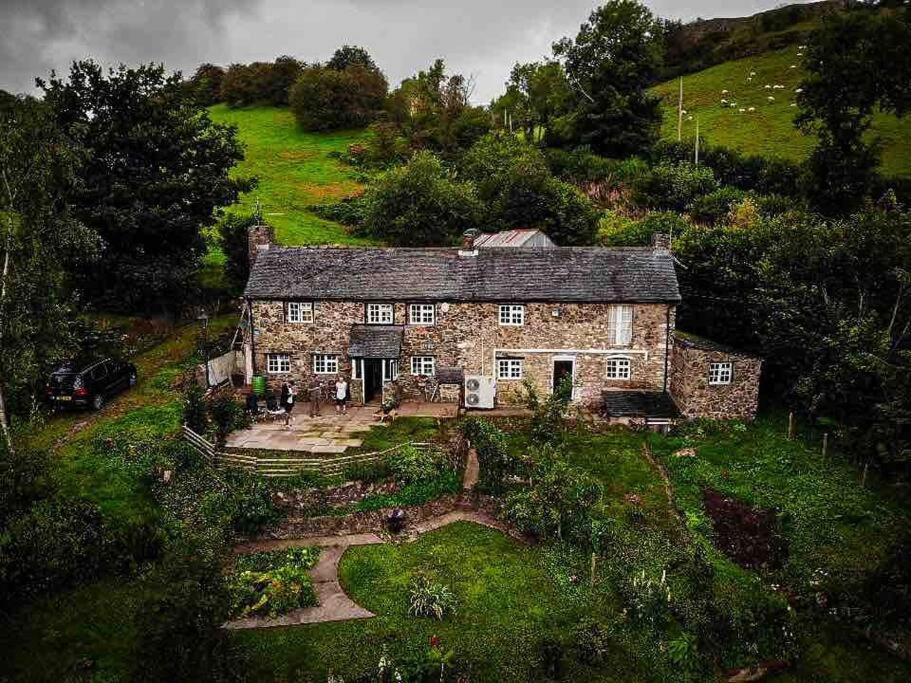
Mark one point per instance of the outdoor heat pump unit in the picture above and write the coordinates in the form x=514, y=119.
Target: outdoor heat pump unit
x=479, y=391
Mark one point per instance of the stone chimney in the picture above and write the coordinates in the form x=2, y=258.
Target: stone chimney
x=661, y=241
x=259, y=238
x=468, y=238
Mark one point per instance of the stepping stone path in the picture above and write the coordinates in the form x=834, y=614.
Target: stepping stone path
x=334, y=605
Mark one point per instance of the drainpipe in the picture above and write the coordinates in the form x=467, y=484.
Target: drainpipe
x=667, y=342
x=252, y=335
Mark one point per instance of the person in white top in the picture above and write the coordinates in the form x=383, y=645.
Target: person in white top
x=341, y=395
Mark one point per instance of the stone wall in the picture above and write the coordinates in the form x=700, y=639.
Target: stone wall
x=468, y=335
x=690, y=387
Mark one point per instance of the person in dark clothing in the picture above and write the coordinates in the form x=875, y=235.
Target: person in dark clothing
x=288, y=404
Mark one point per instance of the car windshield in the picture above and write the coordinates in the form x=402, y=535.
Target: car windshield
x=63, y=380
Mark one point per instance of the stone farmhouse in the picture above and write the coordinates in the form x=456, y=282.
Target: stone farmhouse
x=471, y=324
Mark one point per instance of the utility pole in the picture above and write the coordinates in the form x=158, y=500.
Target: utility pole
x=680, y=112
x=697, y=141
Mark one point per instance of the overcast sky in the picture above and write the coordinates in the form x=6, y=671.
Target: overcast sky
x=482, y=38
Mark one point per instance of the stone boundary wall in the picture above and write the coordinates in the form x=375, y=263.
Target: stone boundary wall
x=695, y=397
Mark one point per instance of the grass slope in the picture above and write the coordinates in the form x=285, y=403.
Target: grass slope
x=769, y=130
x=294, y=170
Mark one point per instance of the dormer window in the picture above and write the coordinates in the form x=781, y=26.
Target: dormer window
x=379, y=314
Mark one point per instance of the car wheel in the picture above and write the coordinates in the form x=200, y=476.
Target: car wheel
x=133, y=379
x=98, y=402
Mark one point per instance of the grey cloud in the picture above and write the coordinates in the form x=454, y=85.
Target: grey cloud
x=482, y=38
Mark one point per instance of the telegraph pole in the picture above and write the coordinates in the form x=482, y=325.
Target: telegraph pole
x=680, y=112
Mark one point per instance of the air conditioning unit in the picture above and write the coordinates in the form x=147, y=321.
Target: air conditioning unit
x=479, y=391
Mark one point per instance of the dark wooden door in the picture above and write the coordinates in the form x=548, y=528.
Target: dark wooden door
x=373, y=379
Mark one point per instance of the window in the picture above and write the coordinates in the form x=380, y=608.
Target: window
x=509, y=368
x=379, y=314
x=356, y=368
x=421, y=314
x=300, y=312
x=325, y=364
x=422, y=365
x=620, y=325
x=277, y=363
x=618, y=368
x=721, y=373
x=511, y=314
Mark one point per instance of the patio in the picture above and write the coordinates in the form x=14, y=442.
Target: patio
x=328, y=433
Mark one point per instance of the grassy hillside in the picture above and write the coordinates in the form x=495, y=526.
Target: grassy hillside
x=294, y=170
x=769, y=130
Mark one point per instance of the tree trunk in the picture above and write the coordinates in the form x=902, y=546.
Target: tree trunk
x=4, y=424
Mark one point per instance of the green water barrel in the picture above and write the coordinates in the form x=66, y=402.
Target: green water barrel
x=259, y=385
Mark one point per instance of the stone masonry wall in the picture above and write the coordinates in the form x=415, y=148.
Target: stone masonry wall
x=468, y=335
x=695, y=397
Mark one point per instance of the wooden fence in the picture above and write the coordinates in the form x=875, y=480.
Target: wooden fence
x=287, y=465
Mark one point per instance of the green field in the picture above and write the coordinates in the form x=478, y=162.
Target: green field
x=769, y=130
x=294, y=170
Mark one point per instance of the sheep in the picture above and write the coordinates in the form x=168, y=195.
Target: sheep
x=752, y=109
x=752, y=73
x=741, y=110
x=793, y=104
x=724, y=92
x=689, y=118
x=723, y=101
x=793, y=66
x=767, y=86
x=798, y=90
x=770, y=98
x=778, y=86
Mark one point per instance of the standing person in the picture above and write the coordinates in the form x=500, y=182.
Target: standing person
x=341, y=395
x=289, y=405
x=316, y=394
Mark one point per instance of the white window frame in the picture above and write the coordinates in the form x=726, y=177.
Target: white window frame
x=511, y=315
x=622, y=368
x=276, y=361
x=300, y=312
x=420, y=365
x=510, y=369
x=323, y=361
x=721, y=373
x=357, y=368
x=380, y=314
x=620, y=325
x=390, y=370
x=422, y=314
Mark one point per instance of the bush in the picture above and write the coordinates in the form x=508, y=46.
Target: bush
x=330, y=99
x=419, y=205
x=675, y=186
x=55, y=545
x=246, y=503
x=350, y=211
x=548, y=416
x=411, y=465
x=494, y=458
x=233, y=238
x=195, y=415
x=430, y=599
x=715, y=207
x=592, y=643
x=367, y=472
x=226, y=415
x=23, y=480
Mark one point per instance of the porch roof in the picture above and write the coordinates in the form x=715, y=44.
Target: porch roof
x=654, y=404
x=375, y=341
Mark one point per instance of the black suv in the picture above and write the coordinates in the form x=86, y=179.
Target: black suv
x=89, y=384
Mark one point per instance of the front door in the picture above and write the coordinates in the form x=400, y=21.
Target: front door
x=373, y=379
x=563, y=375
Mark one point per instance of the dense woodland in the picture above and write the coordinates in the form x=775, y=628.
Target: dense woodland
x=113, y=186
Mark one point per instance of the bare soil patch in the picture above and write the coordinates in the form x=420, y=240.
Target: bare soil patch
x=748, y=535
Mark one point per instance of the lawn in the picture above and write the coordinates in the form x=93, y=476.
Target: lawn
x=507, y=601
x=295, y=171
x=768, y=131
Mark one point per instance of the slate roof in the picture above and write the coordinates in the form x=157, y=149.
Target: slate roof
x=375, y=341
x=559, y=274
x=697, y=342
x=655, y=404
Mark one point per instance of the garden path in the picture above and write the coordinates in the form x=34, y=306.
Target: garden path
x=334, y=604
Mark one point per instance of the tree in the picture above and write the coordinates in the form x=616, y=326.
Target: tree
x=351, y=55
x=516, y=185
x=155, y=172
x=233, y=238
x=328, y=99
x=610, y=63
x=279, y=80
x=538, y=100
x=206, y=84
x=857, y=62
x=420, y=204
x=40, y=241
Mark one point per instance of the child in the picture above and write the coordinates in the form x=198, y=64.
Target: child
x=341, y=394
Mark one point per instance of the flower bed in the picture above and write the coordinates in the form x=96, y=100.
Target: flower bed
x=273, y=583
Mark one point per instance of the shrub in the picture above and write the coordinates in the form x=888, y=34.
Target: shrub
x=410, y=465
x=233, y=238
x=420, y=204
x=329, y=99
x=430, y=599
x=195, y=415
x=494, y=458
x=350, y=211
x=273, y=592
x=683, y=651
x=56, y=544
x=548, y=416
x=715, y=207
x=23, y=480
x=226, y=415
x=592, y=643
x=675, y=186
x=367, y=472
x=244, y=505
